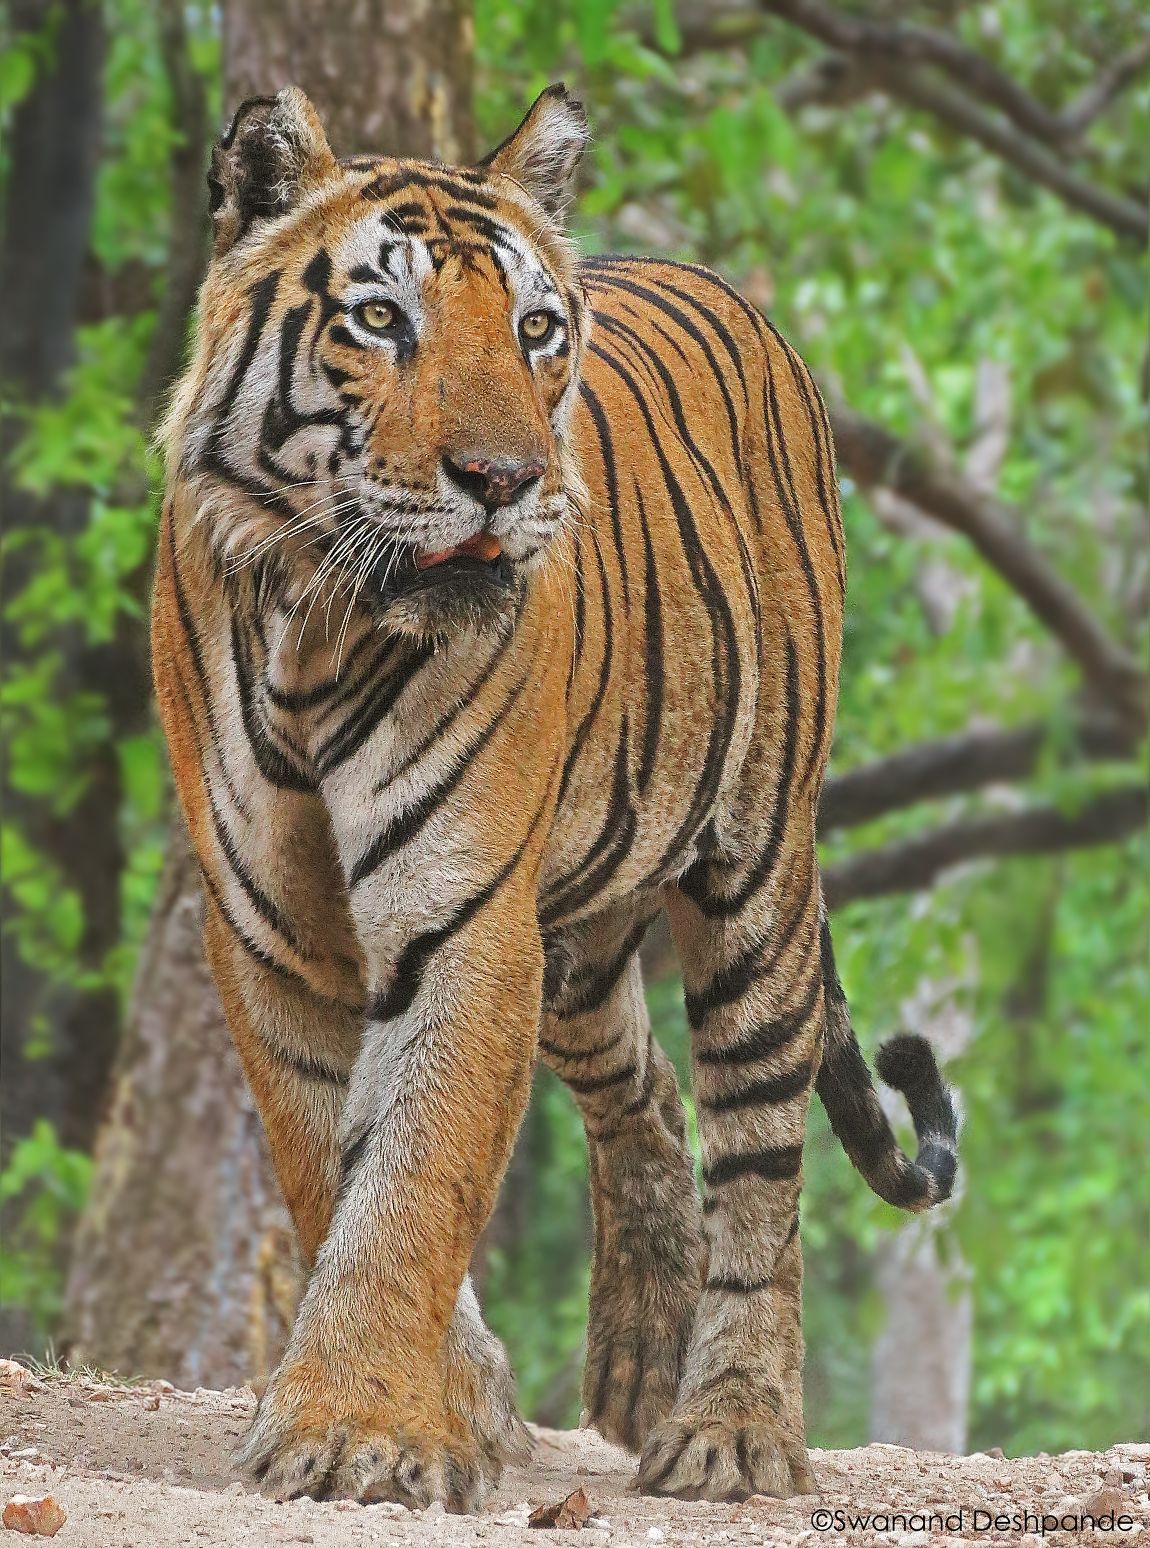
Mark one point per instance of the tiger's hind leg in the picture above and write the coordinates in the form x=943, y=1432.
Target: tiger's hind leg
x=752, y=972
x=647, y=1261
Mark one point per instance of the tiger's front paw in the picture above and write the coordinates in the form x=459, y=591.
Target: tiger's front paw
x=479, y=1391
x=354, y=1451
x=720, y=1460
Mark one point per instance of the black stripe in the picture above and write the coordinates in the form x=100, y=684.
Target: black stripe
x=772, y=1092
x=611, y=474
x=386, y=1004
x=275, y=766
x=753, y=964
x=727, y=1284
x=694, y=883
x=403, y=828
x=594, y=985
x=347, y=741
x=441, y=727
x=260, y=300
x=585, y=1084
x=294, y=700
x=766, y=1038
x=591, y=1051
x=652, y=654
x=192, y=639
x=265, y=907
x=609, y=850
x=778, y=1164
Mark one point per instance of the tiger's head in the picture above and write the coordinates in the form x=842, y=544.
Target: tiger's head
x=386, y=361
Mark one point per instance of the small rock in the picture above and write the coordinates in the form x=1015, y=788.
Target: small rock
x=655, y=1534
x=994, y=1451
x=913, y=1539
x=36, y=1517
x=1106, y=1501
x=18, y=1379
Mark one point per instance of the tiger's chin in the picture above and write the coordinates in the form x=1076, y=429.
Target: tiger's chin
x=439, y=596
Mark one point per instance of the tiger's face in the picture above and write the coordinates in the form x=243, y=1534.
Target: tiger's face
x=388, y=357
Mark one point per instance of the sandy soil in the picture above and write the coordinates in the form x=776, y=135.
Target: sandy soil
x=140, y=1466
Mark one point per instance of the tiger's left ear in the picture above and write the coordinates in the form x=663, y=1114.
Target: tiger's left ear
x=545, y=150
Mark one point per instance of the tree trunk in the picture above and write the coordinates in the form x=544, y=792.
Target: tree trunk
x=184, y=1264
x=48, y=201
x=921, y=1359
x=392, y=79
x=920, y=1386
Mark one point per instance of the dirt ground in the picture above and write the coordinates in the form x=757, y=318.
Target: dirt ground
x=137, y=1466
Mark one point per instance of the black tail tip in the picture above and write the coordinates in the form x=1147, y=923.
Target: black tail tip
x=906, y=1063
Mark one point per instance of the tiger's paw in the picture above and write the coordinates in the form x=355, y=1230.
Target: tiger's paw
x=713, y=1460
x=632, y=1373
x=293, y=1451
x=479, y=1391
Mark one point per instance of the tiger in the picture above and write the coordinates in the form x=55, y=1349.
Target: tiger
x=498, y=610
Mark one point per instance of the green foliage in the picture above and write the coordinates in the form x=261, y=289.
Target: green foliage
x=42, y=1188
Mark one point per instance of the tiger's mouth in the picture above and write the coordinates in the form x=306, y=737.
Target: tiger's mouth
x=436, y=591
x=479, y=560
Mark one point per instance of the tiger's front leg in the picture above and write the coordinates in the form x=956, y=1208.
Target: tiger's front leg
x=362, y=1403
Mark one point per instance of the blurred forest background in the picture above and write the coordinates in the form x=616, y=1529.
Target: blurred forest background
x=943, y=204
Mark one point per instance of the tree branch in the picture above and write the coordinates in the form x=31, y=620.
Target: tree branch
x=959, y=112
x=915, y=863
x=896, y=52
x=1112, y=79
x=953, y=765
x=873, y=456
x=884, y=41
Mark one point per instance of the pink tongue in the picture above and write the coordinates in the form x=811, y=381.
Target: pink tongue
x=484, y=545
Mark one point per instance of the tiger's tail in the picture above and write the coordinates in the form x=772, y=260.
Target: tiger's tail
x=907, y=1064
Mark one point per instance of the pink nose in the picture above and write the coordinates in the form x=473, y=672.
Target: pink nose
x=491, y=481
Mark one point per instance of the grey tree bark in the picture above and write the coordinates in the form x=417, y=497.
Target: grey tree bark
x=921, y=1358
x=184, y=1264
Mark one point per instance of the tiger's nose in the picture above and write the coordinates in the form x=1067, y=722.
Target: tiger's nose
x=490, y=481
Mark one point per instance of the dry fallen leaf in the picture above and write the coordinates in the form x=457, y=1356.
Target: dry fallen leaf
x=37, y=1517
x=573, y=1512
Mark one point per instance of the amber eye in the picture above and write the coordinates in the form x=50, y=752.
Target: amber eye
x=377, y=316
x=536, y=328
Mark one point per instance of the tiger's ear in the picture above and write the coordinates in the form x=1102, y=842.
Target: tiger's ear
x=545, y=150
x=273, y=152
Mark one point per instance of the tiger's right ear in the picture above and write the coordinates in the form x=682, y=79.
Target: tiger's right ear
x=274, y=151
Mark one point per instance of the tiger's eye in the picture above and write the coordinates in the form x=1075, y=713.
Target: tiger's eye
x=537, y=327
x=376, y=315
